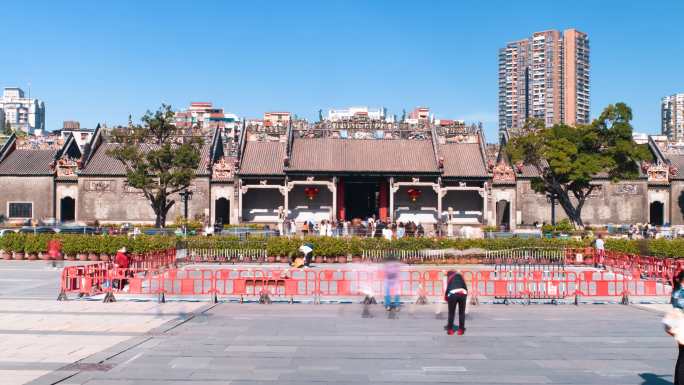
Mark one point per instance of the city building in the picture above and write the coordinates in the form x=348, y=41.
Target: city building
x=22, y=113
x=672, y=113
x=545, y=76
x=203, y=118
x=377, y=114
x=82, y=136
x=276, y=119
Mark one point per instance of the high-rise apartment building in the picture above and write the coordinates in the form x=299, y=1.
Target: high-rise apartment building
x=22, y=113
x=545, y=76
x=672, y=113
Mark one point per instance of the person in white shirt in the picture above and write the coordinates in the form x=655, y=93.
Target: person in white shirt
x=600, y=250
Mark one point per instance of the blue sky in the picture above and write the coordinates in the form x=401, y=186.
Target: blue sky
x=99, y=61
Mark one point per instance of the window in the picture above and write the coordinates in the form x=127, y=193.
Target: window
x=20, y=210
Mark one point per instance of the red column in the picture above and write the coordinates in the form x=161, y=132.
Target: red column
x=383, y=199
x=340, y=199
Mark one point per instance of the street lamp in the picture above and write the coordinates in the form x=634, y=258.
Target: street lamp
x=186, y=195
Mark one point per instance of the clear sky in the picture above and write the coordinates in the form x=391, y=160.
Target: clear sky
x=98, y=61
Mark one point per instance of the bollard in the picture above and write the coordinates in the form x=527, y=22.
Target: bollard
x=264, y=298
x=162, y=298
x=577, y=300
x=62, y=296
x=625, y=298
x=109, y=297
x=214, y=298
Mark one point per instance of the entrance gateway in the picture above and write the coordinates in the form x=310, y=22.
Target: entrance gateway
x=363, y=198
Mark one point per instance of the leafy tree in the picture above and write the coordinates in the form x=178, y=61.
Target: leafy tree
x=568, y=158
x=158, y=160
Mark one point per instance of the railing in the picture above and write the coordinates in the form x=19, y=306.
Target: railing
x=525, y=256
x=406, y=256
x=227, y=256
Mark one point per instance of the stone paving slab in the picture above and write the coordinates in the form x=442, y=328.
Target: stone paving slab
x=333, y=344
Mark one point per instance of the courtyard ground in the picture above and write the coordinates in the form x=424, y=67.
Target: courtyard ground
x=87, y=342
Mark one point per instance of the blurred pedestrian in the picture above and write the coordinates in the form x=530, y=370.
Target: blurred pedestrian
x=456, y=294
x=392, y=284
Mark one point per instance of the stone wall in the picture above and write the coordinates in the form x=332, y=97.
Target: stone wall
x=261, y=205
x=623, y=202
x=38, y=190
x=301, y=208
x=423, y=210
x=111, y=200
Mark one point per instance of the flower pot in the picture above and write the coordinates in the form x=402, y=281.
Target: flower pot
x=357, y=258
x=342, y=259
x=59, y=257
x=5, y=255
x=589, y=260
x=18, y=255
x=104, y=257
x=69, y=257
x=43, y=256
x=271, y=259
x=32, y=256
x=82, y=257
x=93, y=257
x=319, y=259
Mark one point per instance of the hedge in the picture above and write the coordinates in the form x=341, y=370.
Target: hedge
x=326, y=246
x=75, y=243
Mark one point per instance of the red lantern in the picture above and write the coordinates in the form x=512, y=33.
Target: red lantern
x=311, y=192
x=413, y=194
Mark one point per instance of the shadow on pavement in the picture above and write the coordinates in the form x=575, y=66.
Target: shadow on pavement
x=654, y=379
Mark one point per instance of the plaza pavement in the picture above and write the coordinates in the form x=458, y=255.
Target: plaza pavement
x=123, y=343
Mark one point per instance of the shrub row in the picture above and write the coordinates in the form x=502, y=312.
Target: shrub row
x=325, y=246
x=74, y=244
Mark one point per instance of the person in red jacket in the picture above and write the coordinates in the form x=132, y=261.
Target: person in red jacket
x=121, y=261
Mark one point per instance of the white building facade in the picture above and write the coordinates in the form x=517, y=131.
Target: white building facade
x=22, y=113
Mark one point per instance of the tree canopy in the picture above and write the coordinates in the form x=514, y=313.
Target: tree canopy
x=158, y=160
x=567, y=158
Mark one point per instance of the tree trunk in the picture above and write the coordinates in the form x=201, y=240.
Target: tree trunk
x=573, y=213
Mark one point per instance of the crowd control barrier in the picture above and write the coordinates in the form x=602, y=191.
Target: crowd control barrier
x=412, y=285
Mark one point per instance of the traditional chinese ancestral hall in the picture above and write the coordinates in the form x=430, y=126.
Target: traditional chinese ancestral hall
x=331, y=170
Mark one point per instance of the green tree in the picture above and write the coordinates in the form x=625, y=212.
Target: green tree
x=568, y=158
x=158, y=160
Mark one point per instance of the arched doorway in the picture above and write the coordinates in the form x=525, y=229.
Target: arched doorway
x=656, y=213
x=503, y=214
x=67, y=209
x=222, y=212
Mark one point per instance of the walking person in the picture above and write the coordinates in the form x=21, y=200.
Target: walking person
x=674, y=325
x=600, y=251
x=456, y=294
x=391, y=284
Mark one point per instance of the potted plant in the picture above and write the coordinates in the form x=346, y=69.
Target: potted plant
x=4, y=252
x=15, y=244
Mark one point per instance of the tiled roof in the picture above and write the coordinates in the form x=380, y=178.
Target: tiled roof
x=103, y=164
x=263, y=158
x=677, y=160
x=28, y=162
x=356, y=155
x=463, y=160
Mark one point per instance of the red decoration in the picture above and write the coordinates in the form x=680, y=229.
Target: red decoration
x=413, y=194
x=311, y=192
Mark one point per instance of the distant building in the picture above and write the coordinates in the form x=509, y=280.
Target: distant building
x=22, y=113
x=203, y=118
x=545, y=76
x=380, y=113
x=272, y=119
x=672, y=112
x=82, y=136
